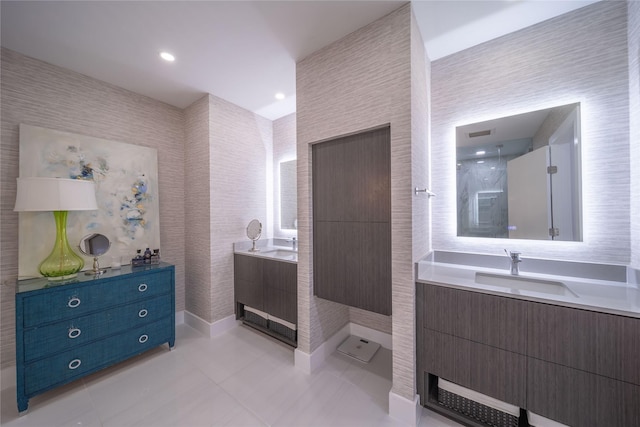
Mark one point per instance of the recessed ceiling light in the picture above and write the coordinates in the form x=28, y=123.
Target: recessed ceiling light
x=167, y=56
x=279, y=96
x=480, y=153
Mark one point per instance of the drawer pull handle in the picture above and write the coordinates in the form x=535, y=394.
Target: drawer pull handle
x=142, y=287
x=143, y=338
x=75, y=364
x=73, y=302
x=143, y=313
x=74, y=333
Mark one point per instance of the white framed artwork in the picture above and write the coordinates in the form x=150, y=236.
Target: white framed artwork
x=126, y=182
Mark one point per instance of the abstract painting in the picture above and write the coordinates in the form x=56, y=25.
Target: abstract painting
x=126, y=182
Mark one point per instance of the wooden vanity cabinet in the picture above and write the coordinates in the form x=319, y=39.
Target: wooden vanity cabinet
x=280, y=282
x=584, y=366
x=574, y=366
x=247, y=278
x=462, y=344
x=579, y=398
x=601, y=343
x=352, y=220
x=267, y=285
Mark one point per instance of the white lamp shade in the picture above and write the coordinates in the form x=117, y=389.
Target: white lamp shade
x=55, y=194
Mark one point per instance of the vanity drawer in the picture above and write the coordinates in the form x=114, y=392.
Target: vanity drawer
x=64, y=335
x=71, y=364
x=487, y=319
x=71, y=301
x=605, y=344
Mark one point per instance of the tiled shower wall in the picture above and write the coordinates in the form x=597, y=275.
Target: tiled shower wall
x=359, y=82
x=577, y=57
x=41, y=94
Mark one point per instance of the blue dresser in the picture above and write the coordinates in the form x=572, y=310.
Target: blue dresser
x=68, y=330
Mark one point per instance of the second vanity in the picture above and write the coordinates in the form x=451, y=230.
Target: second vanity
x=265, y=287
x=566, y=349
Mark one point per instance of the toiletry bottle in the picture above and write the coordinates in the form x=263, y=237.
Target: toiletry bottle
x=156, y=256
x=137, y=260
x=147, y=256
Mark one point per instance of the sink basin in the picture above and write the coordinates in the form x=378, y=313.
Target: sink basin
x=520, y=283
x=280, y=252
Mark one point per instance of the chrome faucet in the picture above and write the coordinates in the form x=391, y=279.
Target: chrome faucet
x=294, y=244
x=515, y=260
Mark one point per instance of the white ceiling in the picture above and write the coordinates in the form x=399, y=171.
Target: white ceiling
x=241, y=51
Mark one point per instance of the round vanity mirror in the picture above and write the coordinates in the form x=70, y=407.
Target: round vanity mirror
x=95, y=245
x=254, y=230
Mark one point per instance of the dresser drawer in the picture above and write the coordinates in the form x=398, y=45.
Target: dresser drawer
x=76, y=300
x=64, y=367
x=56, y=337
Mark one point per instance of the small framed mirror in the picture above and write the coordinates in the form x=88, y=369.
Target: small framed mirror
x=95, y=245
x=254, y=230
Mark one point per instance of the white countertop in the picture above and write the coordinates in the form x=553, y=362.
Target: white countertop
x=595, y=295
x=276, y=249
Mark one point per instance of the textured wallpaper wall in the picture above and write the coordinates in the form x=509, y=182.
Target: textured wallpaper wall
x=577, y=57
x=634, y=102
x=241, y=152
x=197, y=218
x=359, y=82
x=41, y=94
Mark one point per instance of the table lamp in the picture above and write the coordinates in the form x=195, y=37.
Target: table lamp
x=57, y=195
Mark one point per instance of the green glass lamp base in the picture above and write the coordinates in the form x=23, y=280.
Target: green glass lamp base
x=62, y=263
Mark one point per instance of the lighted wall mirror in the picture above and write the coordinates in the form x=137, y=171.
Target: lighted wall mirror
x=288, y=196
x=518, y=177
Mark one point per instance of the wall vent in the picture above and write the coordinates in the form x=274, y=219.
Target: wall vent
x=480, y=133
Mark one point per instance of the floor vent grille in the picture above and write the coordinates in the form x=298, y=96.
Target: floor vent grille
x=283, y=330
x=477, y=411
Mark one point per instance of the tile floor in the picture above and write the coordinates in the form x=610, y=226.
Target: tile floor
x=241, y=378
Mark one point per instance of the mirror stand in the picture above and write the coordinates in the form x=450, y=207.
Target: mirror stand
x=96, y=268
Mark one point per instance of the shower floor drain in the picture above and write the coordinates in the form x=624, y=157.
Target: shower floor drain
x=359, y=348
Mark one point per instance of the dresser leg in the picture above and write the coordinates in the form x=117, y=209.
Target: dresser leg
x=23, y=404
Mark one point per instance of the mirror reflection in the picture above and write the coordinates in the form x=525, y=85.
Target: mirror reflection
x=95, y=245
x=288, y=196
x=519, y=177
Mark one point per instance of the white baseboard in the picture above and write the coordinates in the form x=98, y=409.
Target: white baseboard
x=310, y=362
x=405, y=410
x=210, y=329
